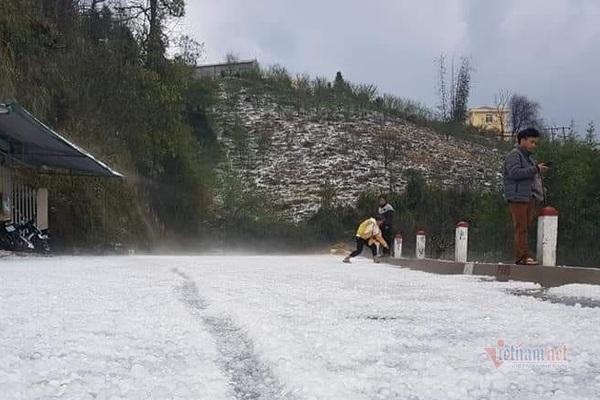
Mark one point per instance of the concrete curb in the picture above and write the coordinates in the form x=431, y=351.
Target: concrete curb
x=545, y=276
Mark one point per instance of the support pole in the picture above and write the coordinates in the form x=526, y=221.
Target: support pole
x=42, y=208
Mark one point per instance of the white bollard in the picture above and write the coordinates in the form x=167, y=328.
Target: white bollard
x=420, y=247
x=547, y=236
x=461, y=241
x=398, y=246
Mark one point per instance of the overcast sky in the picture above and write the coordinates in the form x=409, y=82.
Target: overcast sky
x=546, y=49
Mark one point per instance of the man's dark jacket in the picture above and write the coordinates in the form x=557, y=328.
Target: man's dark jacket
x=387, y=211
x=520, y=171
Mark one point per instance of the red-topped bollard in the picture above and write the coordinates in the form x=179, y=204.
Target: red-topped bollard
x=461, y=241
x=398, y=246
x=547, y=236
x=420, y=247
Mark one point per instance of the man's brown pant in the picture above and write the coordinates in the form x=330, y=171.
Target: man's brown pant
x=523, y=216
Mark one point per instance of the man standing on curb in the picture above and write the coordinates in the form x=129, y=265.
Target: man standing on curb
x=524, y=191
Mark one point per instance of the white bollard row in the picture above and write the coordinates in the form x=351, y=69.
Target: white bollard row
x=547, y=235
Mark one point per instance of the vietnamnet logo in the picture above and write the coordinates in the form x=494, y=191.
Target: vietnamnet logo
x=520, y=355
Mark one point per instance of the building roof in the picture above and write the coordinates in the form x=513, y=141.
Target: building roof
x=225, y=64
x=27, y=142
x=488, y=109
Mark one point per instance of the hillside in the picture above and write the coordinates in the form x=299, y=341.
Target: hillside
x=294, y=155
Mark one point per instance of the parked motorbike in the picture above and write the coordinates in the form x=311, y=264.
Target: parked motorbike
x=23, y=237
x=10, y=238
x=35, y=239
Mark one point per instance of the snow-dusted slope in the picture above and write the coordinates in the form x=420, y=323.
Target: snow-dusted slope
x=278, y=328
x=293, y=155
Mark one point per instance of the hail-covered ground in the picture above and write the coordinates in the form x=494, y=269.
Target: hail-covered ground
x=285, y=327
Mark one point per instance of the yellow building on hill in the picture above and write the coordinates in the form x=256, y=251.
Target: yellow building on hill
x=490, y=119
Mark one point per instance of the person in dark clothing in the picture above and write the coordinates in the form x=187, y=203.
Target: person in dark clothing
x=386, y=211
x=523, y=189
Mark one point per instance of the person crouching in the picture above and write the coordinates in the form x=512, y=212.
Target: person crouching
x=369, y=234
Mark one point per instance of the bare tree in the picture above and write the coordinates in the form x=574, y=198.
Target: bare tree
x=454, y=96
x=190, y=51
x=389, y=105
x=152, y=16
x=320, y=89
x=590, y=134
x=365, y=94
x=442, y=89
x=302, y=90
x=524, y=113
x=501, y=101
x=389, y=148
x=572, y=135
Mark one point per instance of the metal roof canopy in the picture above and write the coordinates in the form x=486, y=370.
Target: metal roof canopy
x=29, y=142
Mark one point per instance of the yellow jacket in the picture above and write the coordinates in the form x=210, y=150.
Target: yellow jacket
x=369, y=231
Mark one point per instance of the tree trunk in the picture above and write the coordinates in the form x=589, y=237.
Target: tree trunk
x=154, y=46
